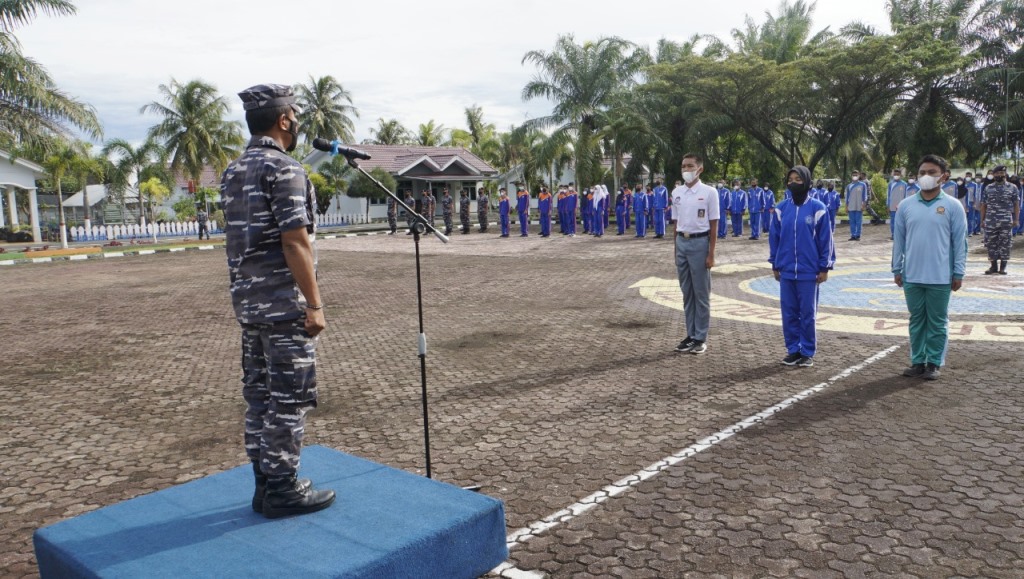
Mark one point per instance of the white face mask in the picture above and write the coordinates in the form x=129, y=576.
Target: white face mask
x=689, y=176
x=989, y=177
x=928, y=182
x=911, y=180
x=855, y=178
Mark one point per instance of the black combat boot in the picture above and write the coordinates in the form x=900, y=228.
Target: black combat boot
x=1002, y=267
x=288, y=497
x=261, y=486
x=992, y=269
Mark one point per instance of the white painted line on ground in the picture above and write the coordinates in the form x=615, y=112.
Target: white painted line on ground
x=509, y=571
x=619, y=487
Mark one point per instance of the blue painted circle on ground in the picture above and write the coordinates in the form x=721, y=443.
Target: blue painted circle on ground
x=873, y=289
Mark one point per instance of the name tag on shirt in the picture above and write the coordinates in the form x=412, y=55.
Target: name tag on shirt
x=700, y=214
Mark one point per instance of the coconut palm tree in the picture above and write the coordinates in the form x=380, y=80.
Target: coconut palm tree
x=193, y=129
x=784, y=37
x=389, y=132
x=581, y=81
x=324, y=110
x=129, y=163
x=430, y=134
x=61, y=163
x=33, y=111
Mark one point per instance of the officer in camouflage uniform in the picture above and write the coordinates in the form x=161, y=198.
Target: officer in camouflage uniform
x=411, y=203
x=447, y=207
x=464, y=211
x=269, y=206
x=392, y=215
x=483, y=205
x=429, y=205
x=1000, y=208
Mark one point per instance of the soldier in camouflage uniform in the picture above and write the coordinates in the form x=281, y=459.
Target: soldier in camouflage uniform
x=411, y=203
x=464, y=211
x=447, y=208
x=269, y=206
x=483, y=205
x=429, y=205
x=392, y=215
x=1000, y=208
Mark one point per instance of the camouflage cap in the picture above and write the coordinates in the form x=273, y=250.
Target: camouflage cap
x=265, y=96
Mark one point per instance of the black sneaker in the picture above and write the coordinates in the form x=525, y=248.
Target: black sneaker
x=805, y=362
x=685, y=345
x=914, y=371
x=698, y=347
x=931, y=372
x=991, y=271
x=792, y=359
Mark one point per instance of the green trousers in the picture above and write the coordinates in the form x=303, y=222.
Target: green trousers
x=929, y=321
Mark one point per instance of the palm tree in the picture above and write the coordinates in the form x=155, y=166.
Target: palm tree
x=59, y=164
x=130, y=162
x=33, y=111
x=193, y=130
x=784, y=37
x=389, y=132
x=582, y=80
x=430, y=134
x=324, y=112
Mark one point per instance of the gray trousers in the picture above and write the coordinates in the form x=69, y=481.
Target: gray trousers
x=695, y=283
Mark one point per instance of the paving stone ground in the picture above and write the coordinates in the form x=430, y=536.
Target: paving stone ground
x=551, y=376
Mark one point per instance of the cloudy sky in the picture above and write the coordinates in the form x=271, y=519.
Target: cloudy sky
x=413, y=61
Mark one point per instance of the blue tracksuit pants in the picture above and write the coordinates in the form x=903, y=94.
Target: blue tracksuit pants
x=523, y=218
x=723, y=226
x=503, y=219
x=856, y=223
x=799, y=300
x=737, y=224
x=620, y=220
x=755, y=224
x=641, y=224
x=545, y=223
x=659, y=222
x=766, y=219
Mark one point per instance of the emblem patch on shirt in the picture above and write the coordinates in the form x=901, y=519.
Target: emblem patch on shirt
x=809, y=220
x=940, y=210
x=700, y=214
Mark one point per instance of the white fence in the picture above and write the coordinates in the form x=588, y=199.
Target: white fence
x=182, y=228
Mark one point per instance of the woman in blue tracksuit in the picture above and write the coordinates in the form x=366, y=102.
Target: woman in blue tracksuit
x=801, y=254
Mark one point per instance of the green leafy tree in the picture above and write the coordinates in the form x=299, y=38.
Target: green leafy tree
x=581, y=81
x=129, y=164
x=388, y=132
x=34, y=112
x=59, y=164
x=193, y=129
x=430, y=134
x=363, y=188
x=327, y=110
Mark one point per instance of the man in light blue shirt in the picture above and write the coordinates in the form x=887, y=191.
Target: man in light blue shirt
x=896, y=194
x=929, y=256
x=856, y=199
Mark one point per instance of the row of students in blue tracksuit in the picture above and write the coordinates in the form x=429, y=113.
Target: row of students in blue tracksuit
x=756, y=201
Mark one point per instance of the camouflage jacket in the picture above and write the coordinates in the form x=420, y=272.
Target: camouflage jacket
x=999, y=200
x=264, y=192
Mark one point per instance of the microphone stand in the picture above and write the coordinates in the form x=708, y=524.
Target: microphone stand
x=420, y=225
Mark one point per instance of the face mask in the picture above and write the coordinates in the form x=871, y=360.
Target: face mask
x=855, y=178
x=689, y=176
x=911, y=181
x=1000, y=178
x=928, y=182
x=989, y=177
x=895, y=177
x=293, y=130
x=959, y=181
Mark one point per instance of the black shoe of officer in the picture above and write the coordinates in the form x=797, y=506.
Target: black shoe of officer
x=287, y=497
x=261, y=487
x=931, y=372
x=914, y=371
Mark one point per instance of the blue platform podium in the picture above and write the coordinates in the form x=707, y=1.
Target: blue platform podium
x=385, y=523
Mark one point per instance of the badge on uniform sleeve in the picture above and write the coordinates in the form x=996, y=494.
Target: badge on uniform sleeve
x=940, y=210
x=700, y=214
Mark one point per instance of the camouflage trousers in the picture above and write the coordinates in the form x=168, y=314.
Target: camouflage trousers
x=279, y=386
x=393, y=222
x=448, y=223
x=998, y=241
x=464, y=219
x=482, y=219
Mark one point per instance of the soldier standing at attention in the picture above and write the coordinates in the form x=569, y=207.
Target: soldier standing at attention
x=429, y=205
x=447, y=204
x=464, y=211
x=504, y=205
x=483, y=206
x=1000, y=208
x=392, y=215
x=202, y=218
x=544, y=208
x=411, y=203
x=523, y=209
x=269, y=205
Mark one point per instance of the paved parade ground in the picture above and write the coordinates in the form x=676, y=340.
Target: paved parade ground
x=554, y=385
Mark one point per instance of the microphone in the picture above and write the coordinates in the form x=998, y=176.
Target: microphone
x=335, y=148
